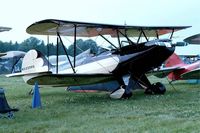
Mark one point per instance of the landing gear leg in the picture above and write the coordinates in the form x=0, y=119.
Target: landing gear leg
x=128, y=89
x=123, y=91
x=157, y=88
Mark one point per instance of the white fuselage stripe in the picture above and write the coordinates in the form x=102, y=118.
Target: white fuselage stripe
x=104, y=66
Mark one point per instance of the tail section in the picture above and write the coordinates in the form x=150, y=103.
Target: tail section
x=173, y=60
x=33, y=62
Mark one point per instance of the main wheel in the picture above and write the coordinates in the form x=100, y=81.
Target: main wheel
x=158, y=88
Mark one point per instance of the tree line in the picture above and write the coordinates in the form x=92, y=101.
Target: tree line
x=34, y=43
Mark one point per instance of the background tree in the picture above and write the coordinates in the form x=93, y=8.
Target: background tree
x=34, y=43
x=83, y=46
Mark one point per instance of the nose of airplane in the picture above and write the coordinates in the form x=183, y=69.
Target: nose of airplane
x=180, y=44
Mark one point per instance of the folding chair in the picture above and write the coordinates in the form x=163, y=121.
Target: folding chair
x=4, y=107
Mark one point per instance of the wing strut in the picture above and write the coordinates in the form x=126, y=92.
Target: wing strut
x=144, y=35
x=48, y=51
x=157, y=34
x=118, y=39
x=74, y=46
x=139, y=37
x=172, y=34
x=66, y=53
x=129, y=40
x=108, y=41
x=57, y=55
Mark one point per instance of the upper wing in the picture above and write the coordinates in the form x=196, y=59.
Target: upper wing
x=194, y=74
x=83, y=29
x=195, y=39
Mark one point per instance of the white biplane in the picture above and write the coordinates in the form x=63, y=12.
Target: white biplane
x=135, y=59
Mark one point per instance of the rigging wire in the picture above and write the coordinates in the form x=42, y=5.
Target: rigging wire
x=170, y=82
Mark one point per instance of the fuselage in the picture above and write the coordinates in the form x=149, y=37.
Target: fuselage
x=137, y=59
x=134, y=59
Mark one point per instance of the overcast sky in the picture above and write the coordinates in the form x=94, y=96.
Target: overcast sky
x=19, y=14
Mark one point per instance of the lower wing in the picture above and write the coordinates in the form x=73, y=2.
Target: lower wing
x=163, y=72
x=59, y=80
x=194, y=74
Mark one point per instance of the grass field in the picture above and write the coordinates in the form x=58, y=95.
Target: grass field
x=176, y=111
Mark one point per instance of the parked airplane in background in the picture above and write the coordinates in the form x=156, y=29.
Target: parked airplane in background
x=144, y=52
x=195, y=39
x=9, y=63
x=178, y=70
x=2, y=29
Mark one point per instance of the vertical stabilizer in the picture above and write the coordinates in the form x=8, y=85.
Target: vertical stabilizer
x=34, y=61
x=173, y=61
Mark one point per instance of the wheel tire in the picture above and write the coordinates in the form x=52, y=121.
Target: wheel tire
x=148, y=91
x=158, y=88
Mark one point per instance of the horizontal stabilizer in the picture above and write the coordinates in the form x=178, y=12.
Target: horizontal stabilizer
x=26, y=74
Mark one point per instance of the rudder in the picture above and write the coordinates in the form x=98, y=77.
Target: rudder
x=34, y=61
x=173, y=60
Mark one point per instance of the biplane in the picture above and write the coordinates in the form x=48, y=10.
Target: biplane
x=144, y=50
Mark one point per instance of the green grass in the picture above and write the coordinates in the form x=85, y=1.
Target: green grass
x=176, y=111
